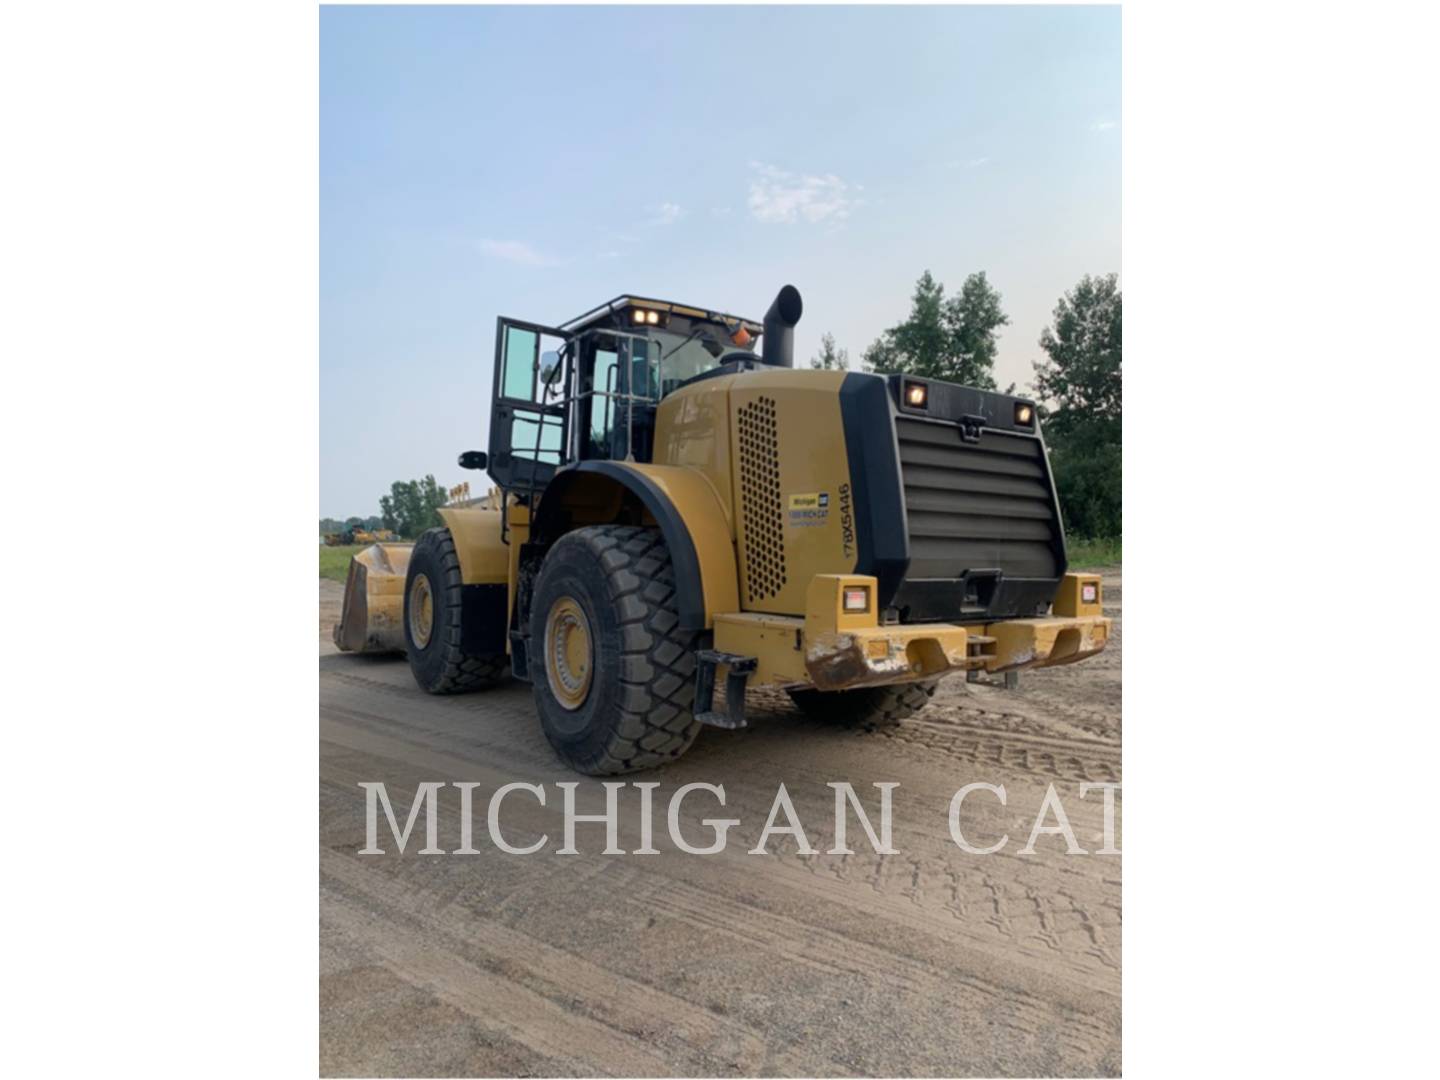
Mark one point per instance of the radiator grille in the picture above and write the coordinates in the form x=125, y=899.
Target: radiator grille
x=974, y=506
x=764, y=518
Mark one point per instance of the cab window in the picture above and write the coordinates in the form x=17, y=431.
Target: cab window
x=521, y=350
x=602, y=407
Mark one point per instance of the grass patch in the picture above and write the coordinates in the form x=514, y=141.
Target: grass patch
x=1090, y=554
x=335, y=561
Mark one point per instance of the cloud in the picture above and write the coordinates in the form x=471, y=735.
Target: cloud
x=972, y=163
x=667, y=214
x=1102, y=125
x=516, y=252
x=780, y=196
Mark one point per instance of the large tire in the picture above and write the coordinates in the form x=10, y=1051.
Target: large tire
x=438, y=662
x=605, y=631
x=866, y=706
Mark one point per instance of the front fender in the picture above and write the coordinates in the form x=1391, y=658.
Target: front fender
x=484, y=559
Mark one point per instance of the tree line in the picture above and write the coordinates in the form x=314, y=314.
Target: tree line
x=411, y=507
x=335, y=525
x=1076, y=384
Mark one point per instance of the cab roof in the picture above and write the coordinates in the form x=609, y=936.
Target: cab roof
x=630, y=300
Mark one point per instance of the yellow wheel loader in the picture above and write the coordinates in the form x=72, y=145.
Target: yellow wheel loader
x=675, y=513
x=357, y=535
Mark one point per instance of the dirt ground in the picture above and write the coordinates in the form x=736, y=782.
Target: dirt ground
x=928, y=962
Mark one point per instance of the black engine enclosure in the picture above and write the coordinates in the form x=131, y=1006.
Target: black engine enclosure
x=956, y=512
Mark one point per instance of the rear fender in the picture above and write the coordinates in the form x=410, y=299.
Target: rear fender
x=689, y=514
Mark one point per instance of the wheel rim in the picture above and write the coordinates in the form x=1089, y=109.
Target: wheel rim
x=569, y=653
x=422, y=611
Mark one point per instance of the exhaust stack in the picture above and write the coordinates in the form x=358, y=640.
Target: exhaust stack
x=777, y=345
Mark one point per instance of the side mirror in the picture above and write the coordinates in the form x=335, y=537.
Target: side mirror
x=549, y=367
x=474, y=459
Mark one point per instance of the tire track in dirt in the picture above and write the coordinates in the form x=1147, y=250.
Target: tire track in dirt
x=784, y=940
x=795, y=872
x=525, y=1017
x=565, y=979
x=1016, y=906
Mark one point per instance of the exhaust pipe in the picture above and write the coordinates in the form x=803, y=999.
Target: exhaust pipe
x=777, y=345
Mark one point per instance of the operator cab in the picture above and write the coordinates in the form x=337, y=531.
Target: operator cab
x=588, y=389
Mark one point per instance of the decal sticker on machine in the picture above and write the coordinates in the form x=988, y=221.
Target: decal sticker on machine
x=810, y=509
x=847, y=522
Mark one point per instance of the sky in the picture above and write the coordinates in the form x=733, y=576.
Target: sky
x=535, y=162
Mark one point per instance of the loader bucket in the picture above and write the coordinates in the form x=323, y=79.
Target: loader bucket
x=372, y=619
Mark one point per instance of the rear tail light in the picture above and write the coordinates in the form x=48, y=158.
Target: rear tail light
x=857, y=598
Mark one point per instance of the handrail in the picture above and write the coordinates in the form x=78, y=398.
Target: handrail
x=561, y=408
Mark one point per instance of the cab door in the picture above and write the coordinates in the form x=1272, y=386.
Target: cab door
x=618, y=389
x=529, y=418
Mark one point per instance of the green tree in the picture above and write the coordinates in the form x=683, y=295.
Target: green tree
x=944, y=338
x=411, y=506
x=432, y=497
x=973, y=315
x=917, y=345
x=830, y=358
x=1079, y=384
x=1081, y=372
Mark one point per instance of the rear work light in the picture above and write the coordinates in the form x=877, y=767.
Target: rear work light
x=916, y=394
x=857, y=598
x=1024, y=414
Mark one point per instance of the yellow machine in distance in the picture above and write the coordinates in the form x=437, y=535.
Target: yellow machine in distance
x=358, y=535
x=672, y=509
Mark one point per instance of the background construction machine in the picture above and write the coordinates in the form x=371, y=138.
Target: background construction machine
x=671, y=507
x=358, y=535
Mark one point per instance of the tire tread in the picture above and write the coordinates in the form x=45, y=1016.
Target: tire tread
x=462, y=672
x=656, y=676
x=866, y=706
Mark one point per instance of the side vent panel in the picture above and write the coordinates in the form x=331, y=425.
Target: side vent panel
x=763, y=515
